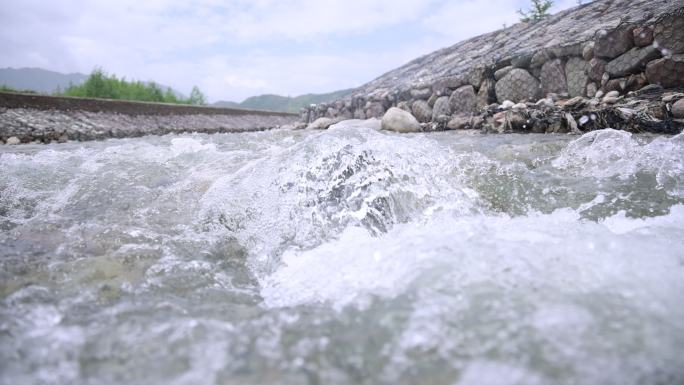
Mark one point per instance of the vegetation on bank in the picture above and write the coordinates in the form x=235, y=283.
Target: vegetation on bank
x=102, y=85
x=539, y=10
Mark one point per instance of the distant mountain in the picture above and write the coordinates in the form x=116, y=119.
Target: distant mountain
x=39, y=80
x=284, y=103
x=47, y=82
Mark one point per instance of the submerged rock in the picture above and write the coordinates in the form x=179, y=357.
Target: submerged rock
x=398, y=120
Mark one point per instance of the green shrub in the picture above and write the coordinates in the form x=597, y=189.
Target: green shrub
x=102, y=85
x=539, y=10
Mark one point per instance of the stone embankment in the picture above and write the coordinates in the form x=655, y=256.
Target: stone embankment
x=609, y=63
x=39, y=118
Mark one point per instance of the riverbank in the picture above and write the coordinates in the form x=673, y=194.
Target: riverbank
x=618, y=59
x=26, y=118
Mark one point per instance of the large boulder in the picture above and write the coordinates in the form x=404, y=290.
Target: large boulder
x=668, y=71
x=422, y=111
x=463, y=100
x=668, y=32
x=442, y=107
x=612, y=44
x=398, y=120
x=632, y=61
x=576, y=75
x=518, y=86
x=552, y=77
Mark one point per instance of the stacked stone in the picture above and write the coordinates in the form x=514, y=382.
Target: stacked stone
x=616, y=62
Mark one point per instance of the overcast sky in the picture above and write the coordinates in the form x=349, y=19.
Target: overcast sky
x=233, y=49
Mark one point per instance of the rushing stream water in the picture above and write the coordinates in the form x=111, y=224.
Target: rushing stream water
x=347, y=256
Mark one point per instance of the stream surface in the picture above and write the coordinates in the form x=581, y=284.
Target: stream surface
x=346, y=256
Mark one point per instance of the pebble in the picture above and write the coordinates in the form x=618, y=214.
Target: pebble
x=507, y=105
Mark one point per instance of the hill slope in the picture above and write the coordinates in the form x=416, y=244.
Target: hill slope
x=284, y=103
x=39, y=80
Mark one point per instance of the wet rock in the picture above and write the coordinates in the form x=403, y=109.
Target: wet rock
x=463, y=100
x=668, y=32
x=597, y=67
x=62, y=139
x=576, y=76
x=502, y=72
x=13, y=140
x=423, y=93
x=464, y=122
x=552, y=77
x=631, y=62
x=422, y=111
x=612, y=44
x=507, y=105
x=359, y=114
x=518, y=86
x=442, y=107
x=321, y=124
x=668, y=71
x=643, y=36
x=678, y=109
x=398, y=120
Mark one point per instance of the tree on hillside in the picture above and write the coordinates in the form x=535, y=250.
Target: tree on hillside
x=539, y=10
x=196, y=97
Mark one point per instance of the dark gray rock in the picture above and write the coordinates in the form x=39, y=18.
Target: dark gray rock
x=668, y=32
x=463, y=100
x=643, y=36
x=487, y=93
x=541, y=57
x=588, y=51
x=502, y=72
x=678, y=109
x=576, y=76
x=632, y=62
x=522, y=61
x=552, y=77
x=444, y=86
x=518, y=86
x=442, y=107
x=614, y=43
x=597, y=67
x=422, y=111
x=668, y=72
x=375, y=110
